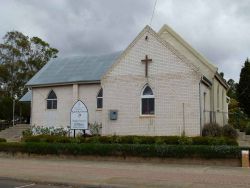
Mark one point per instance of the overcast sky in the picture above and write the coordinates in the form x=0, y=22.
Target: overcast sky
x=218, y=29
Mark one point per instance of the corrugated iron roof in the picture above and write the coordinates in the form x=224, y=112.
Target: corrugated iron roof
x=74, y=69
x=27, y=97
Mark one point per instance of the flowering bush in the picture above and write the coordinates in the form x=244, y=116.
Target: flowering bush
x=40, y=130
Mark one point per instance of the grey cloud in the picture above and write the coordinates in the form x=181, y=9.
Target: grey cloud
x=218, y=29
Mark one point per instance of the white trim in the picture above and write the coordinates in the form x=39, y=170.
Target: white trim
x=194, y=52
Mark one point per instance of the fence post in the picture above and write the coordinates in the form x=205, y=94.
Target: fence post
x=245, y=158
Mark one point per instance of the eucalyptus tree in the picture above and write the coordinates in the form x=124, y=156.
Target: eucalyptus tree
x=20, y=58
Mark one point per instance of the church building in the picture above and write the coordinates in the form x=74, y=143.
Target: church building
x=159, y=85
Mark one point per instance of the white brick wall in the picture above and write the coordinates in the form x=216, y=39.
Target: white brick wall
x=60, y=117
x=173, y=81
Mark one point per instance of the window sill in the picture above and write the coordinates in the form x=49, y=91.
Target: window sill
x=99, y=109
x=147, y=116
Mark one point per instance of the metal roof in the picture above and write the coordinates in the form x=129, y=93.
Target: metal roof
x=73, y=69
x=27, y=97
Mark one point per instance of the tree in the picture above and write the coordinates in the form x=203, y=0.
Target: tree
x=232, y=92
x=20, y=58
x=222, y=74
x=243, y=89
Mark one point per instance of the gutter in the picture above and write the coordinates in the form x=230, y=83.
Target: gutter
x=221, y=80
x=64, y=83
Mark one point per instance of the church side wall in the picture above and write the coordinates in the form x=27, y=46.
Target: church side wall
x=60, y=117
x=205, y=104
x=220, y=103
x=174, y=83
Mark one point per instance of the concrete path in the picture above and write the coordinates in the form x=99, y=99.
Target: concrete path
x=10, y=183
x=122, y=174
x=14, y=134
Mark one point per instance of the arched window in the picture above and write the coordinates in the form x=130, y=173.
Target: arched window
x=52, y=100
x=99, y=99
x=147, y=101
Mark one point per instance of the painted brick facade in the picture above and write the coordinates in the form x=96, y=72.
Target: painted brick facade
x=174, y=82
x=66, y=97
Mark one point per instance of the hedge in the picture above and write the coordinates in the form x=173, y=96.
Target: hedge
x=124, y=150
x=2, y=140
x=159, y=140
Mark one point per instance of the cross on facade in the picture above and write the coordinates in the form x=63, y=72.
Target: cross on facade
x=146, y=61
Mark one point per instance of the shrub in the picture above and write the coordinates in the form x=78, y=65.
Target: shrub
x=199, y=140
x=95, y=128
x=138, y=150
x=229, y=131
x=171, y=140
x=185, y=140
x=211, y=129
x=248, y=129
x=27, y=132
x=3, y=140
x=40, y=130
x=47, y=138
x=157, y=140
x=243, y=125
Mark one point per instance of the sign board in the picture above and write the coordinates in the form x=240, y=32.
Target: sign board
x=79, y=116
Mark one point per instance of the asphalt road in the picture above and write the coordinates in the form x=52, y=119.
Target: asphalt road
x=88, y=173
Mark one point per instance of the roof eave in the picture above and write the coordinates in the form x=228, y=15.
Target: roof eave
x=64, y=83
x=221, y=80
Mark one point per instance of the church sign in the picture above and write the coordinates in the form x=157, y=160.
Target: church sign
x=79, y=116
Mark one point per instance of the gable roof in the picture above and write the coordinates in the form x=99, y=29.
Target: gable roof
x=194, y=52
x=67, y=70
x=161, y=40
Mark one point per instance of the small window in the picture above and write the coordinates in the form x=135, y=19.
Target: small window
x=99, y=99
x=147, y=101
x=52, y=100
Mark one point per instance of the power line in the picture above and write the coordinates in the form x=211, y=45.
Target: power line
x=153, y=13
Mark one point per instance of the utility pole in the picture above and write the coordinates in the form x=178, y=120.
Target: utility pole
x=12, y=94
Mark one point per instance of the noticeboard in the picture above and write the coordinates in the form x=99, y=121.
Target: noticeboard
x=79, y=116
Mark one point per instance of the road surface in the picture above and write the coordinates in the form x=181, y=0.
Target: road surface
x=121, y=174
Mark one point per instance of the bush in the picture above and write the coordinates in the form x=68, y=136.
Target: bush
x=229, y=131
x=27, y=132
x=138, y=150
x=95, y=128
x=40, y=130
x=150, y=140
x=185, y=140
x=243, y=125
x=3, y=140
x=247, y=130
x=48, y=138
x=211, y=129
x=199, y=140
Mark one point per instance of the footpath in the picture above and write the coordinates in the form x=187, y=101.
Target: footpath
x=121, y=174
